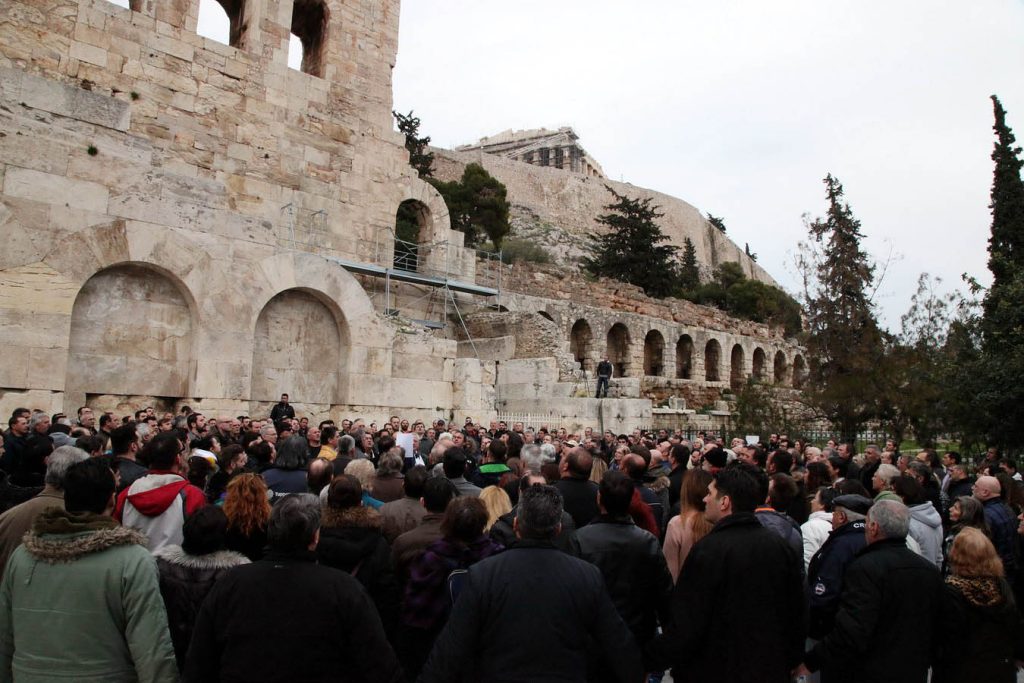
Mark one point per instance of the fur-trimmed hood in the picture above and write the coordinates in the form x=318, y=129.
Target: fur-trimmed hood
x=220, y=559
x=58, y=536
x=359, y=517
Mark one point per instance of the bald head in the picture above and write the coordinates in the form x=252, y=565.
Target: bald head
x=987, y=488
x=580, y=463
x=634, y=466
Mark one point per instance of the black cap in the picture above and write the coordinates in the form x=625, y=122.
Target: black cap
x=853, y=502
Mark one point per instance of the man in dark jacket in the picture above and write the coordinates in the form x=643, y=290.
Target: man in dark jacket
x=332, y=632
x=629, y=558
x=579, y=494
x=503, y=530
x=1001, y=521
x=437, y=493
x=828, y=566
x=494, y=633
x=889, y=611
x=604, y=373
x=737, y=608
x=282, y=410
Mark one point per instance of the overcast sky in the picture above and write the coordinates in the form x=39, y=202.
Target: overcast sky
x=741, y=108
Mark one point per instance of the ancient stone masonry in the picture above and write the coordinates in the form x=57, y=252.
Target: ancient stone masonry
x=541, y=147
x=190, y=222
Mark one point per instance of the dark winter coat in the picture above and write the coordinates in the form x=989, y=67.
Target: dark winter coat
x=566, y=541
x=185, y=580
x=351, y=540
x=737, y=608
x=1003, y=524
x=253, y=545
x=782, y=524
x=888, y=619
x=531, y=613
x=980, y=613
x=634, y=571
x=285, y=618
x=579, y=499
x=825, y=575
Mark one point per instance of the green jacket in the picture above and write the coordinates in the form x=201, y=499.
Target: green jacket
x=80, y=600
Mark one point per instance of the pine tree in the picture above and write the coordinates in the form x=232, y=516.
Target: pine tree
x=631, y=249
x=420, y=156
x=717, y=222
x=844, y=342
x=477, y=205
x=689, y=272
x=1001, y=360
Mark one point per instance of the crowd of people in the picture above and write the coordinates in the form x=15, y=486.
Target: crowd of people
x=199, y=548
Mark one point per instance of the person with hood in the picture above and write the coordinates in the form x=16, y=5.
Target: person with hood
x=351, y=540
x=188, y=572
x=979, y=607
x=159, y=503
x=79, y=599
x=925, y=520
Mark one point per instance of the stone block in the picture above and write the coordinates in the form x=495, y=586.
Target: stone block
x=55, y=189
x=496, y=348
x=528, y=371
x=16, y=86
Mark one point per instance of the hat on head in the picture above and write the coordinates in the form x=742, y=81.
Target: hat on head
x=717, y=457
x=571, y=443
x=853, y=502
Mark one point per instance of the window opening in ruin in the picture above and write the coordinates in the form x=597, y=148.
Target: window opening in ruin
x=799, y=372
x=294, y=52
x=781, y=368
x=736, y=367
x=528, y=157
x=411, y=223
x=222, y=21
x=618, y=349
x=684, y=357
x=759, y=364
x=545, y=315
x=654, y=354
x=579, y=343
x=122, y=3
x=309, y=28
x=545, y=156
x=712, y=357
x=559, y=157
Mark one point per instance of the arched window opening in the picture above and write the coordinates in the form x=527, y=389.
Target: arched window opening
x=618, y=349
x=799, y=372
x=222, y=21
x=684, y=357
x=579, y=343
x=309, y=27
x=654, y=354
x=712, y=359
x=736, y=367
x=759, y=362
x=781, y=369
x=410, y=224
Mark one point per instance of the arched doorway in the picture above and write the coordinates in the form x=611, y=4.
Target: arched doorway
x=759, y=360
x=781, y=369
x=736, y=366
x=131, y=333
x=297, y=349
x=712, y=359
x=580, y=338
x=618, y=349
x=411, y=223
x=654, y=354
x=799, y=371
x=684, y=357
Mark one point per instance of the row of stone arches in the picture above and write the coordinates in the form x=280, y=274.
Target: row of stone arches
x=135, y=330
x=619, y=351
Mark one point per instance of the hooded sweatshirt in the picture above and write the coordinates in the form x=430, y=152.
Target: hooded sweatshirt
x=926, y=529
x=157, y=505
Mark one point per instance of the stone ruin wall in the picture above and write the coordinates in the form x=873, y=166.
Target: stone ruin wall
x=167, y=202
x=573, y=201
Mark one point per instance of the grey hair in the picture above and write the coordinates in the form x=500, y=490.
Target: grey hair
x=533, y=458
x=292, y=454
x=36, y=418
x=872, y=447
x=58, y=462
x=346, y=444
x=892, y=517
x=268, y=429
x=887, y=472
x=390, y=463
x=293, y=522
x=539, y=513
x=850, y=515
x=363, y=470
x=142, y=429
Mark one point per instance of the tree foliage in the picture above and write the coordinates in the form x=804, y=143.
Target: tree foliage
x=689, y=271
x=717, y=222
x=420, y=156
x=477, y=205
x=631, y=249
x=732, y=291
x=845, y=343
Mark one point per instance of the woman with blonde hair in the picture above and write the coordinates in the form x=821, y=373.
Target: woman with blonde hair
x=363, y=470
x=689, y=526
x=597, y=470
x=978, y=605
x=497, y=502
x=248, y=512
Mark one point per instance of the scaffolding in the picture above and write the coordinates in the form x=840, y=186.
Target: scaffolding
x=436, y=271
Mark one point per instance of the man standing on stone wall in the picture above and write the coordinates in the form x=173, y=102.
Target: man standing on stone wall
x=282, y=410
x=604, y=373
